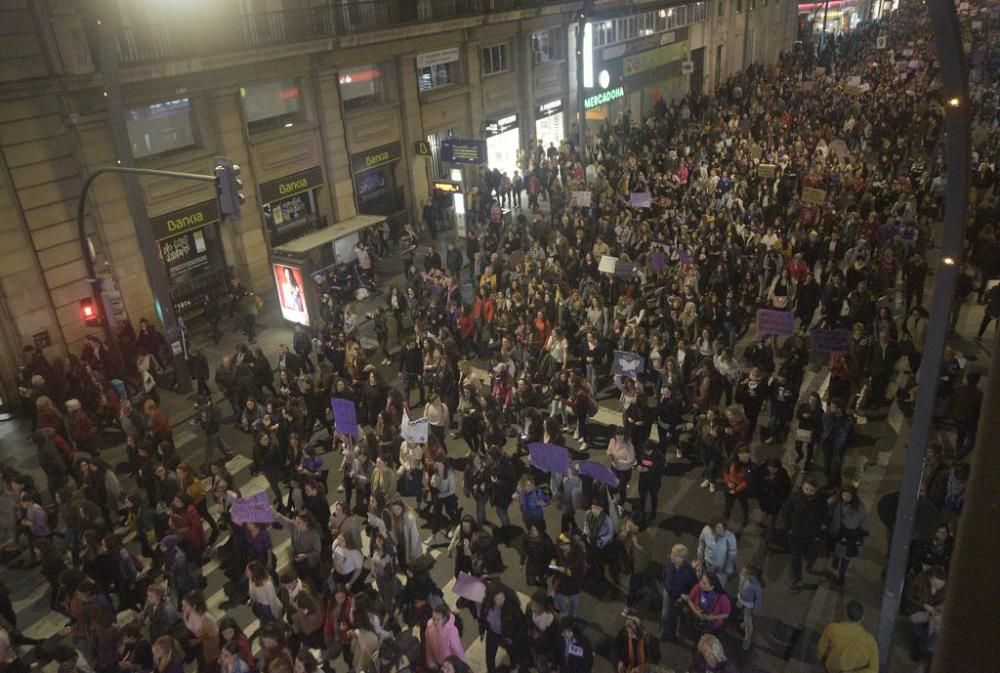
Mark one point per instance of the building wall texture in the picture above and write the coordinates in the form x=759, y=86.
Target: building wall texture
x=54, y=125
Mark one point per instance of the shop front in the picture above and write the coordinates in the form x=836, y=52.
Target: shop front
x=503, y=142
x=376, y=183
x=191, y=253
x=549, y=123
x=605, y=105
x=290, y=206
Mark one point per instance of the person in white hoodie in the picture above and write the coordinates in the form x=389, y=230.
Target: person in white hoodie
x=717, y=550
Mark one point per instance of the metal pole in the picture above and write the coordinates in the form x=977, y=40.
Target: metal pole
x=822, y=32
x=581, y=27
x=159, y=283
x=967, y=637
x=948, y=36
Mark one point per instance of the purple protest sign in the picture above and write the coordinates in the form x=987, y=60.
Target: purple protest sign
x=627, y=363
x=549, y=457
x=683, y=256
x=641, y=200
x=830, y=340
x=658, y=260
x=778, y=323
x=345, y=416
x=254, y=508
x=469, y=587
x=598, y=472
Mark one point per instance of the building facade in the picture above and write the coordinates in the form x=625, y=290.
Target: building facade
x=331, y=108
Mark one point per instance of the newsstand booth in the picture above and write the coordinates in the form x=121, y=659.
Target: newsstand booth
x=293, y=264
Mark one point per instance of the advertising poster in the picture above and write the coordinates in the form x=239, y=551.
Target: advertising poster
x=291, y=294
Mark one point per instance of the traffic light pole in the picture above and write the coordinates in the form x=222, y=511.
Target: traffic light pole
x=164, y=307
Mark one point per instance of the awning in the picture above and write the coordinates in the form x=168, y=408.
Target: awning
x=330, y=234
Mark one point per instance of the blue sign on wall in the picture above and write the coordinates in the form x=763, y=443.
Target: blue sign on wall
x=463, y=151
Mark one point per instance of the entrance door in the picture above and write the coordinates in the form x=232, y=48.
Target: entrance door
x=698, y=74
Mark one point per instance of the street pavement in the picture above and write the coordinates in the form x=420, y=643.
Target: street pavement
x=787, y=628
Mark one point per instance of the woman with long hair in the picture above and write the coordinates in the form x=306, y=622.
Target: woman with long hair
x=502, y=622
x=168, y=655
x=263, y=597
x=203, y=630
x=848, y=528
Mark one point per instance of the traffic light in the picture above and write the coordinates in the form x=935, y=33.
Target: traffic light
x=91, y=315
x=228, y=188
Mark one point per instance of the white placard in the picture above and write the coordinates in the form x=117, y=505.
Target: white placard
x=607, y=264
x=416, y=431
x=581, y=199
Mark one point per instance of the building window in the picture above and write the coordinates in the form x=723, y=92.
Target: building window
x=161, y=127
x=496, y=59
x=722, y=5
x=682, y=16
x=544, y=44
x=739, y=6
x=363, y=85
x=439, y=74
x=272, y=105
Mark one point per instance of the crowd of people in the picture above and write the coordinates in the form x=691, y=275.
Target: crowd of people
x=734, y=225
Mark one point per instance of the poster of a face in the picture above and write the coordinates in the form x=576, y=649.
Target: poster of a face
x=291, y=294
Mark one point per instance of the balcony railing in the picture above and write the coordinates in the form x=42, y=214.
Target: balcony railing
x=226, y=33
x=222, y=33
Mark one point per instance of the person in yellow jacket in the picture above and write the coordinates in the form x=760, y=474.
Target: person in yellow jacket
x=845, y=647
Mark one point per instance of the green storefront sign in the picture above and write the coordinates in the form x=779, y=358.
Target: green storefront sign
x=654, y=58
x=603, y=97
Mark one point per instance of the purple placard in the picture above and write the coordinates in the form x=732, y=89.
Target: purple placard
x=830, y=340
x=683, y=256
x=641, y=200
x=778, y=323
x=658, y=260
x=549, y=457
x=254, y=508
x=469, y=587
x=345, y=416
x=598, y=472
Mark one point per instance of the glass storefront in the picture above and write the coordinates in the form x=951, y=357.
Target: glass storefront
x=503, y=141
x=549, y=128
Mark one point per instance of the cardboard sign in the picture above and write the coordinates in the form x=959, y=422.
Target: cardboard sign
x=581, y=199
x=830, y=340
x=813, y=195
x=641, y=200
x=881, y=41
x=777, y=323
x=416, y=431
x=254, y=508
x=625, y=270
x=818, y=72
x=854, y=80
x=549, y=457
x=345, y=416
x=767, y=170
x=469, y=587
x=628, y=364
x=607, y=264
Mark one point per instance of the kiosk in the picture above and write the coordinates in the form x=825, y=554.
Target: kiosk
x=294, y=264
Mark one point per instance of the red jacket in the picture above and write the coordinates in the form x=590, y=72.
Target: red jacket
x=737, y=477
x=190, y=530
x=466, y=324
x=338, y=621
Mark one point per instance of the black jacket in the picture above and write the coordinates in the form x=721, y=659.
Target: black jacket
x=806, y=518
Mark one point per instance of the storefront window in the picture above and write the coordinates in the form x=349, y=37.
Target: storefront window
x=272, y=105
x=496, y=59
x=440, y=74
x=159, y=128
x=364, y=85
